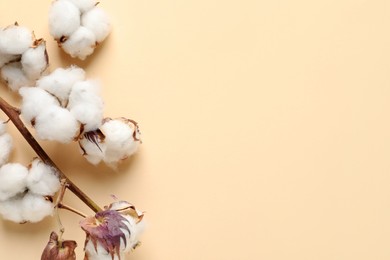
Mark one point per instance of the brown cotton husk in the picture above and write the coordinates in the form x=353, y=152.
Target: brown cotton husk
x=59, y=250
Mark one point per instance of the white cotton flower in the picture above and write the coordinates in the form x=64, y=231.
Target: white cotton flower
x=80, y=44
x=12, y=209
x=98, y=22
x=15, y=39
x=56, y=123
x=34, y=61
x=61, y=81
x=6, y=58
x=12, y=180
x=83, y=5
x=6, y=145
x=14, y=76
x=42, y=179
x=121, y=139
x=36, y=207
x=64, y=19
x=86, y=104
x=35, y=101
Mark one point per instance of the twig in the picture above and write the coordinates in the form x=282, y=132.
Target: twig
x=13, y=114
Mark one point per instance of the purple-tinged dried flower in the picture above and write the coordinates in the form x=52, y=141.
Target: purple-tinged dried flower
x=105, y=230
x=59, y=250
x=113, y=232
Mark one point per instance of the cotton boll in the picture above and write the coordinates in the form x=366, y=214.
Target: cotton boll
x=6, y=145
x=86, y=104
x=35, y=101
x=34, y=61
x=6, y=58
x=64, y=19
x=61, y=81
x=15, y=39
x=121, y=139
x=56, y=123
x=12, y=209
x=42, y=179
x=12, y=180
x=83, y=5
x=80, y=44
x=36, y=207
x=14, y=76
x=98, y=22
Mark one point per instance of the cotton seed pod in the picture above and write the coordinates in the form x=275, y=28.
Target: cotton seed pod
x=59, y=250
x=78, y=26
x=113, y=142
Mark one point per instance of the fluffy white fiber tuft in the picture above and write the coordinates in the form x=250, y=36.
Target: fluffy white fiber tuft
x=83, y=5
x=61, y=81
x=5, y=58
x=56, y=123
x=35, y=101
x=12, y=180
x=14, y=76
x=119, y=140
x=97, y=21
x=80, y=44
x=12, y=209
x=64, y=19
x=15, y=39
x=86, y=104
x=36, y=207
x=42, y=179
x=34, y=61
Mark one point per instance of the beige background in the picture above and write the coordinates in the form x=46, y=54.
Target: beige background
x=265, y=125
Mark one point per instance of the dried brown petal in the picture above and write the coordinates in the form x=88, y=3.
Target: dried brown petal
x=59, y=250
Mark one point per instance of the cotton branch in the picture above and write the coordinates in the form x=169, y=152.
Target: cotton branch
x=13, y=114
